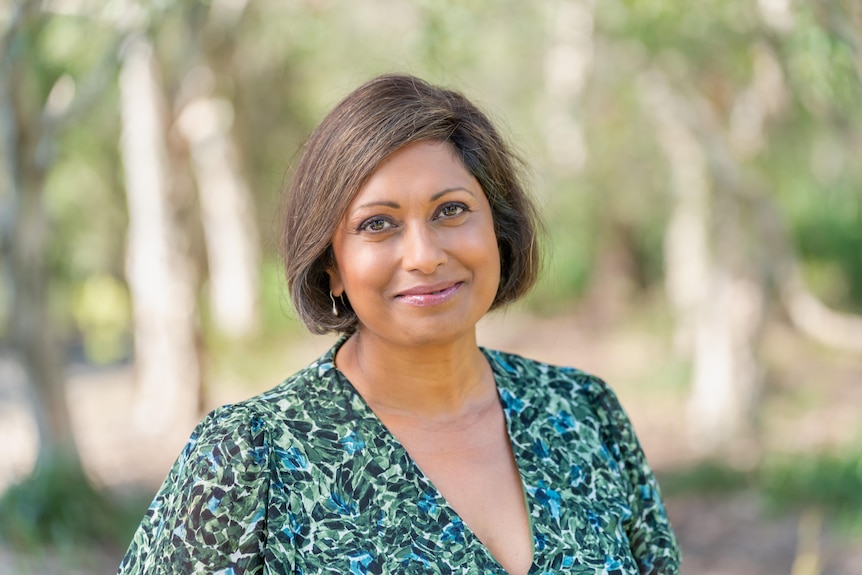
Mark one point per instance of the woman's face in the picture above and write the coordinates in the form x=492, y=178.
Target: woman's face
x=416, y=253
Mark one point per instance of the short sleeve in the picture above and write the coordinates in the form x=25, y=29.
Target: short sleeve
x=209, y=516
x=651, y=538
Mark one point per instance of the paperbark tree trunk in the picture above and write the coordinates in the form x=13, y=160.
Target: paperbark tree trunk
x=718, y=297
x=568, y=63
x=227, y=206
x=159, y=271
x=226, y=213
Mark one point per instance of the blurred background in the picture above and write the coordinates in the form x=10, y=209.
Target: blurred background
x=698, y=164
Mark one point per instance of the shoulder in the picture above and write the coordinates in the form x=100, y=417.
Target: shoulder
x=286, y=408
x=529, y=377
x=241, y=435
x=565, y=396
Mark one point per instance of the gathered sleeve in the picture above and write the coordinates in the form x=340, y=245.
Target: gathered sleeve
x=651, y=538
x=210, y=514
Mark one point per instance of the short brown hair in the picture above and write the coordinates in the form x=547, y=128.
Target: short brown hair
x=371, y=123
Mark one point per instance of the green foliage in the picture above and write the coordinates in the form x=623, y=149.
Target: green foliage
x=816, y=180
x=276, y=311
x=821, y=66
x=285, y=64
x=830, y=481
x=808, y=164
x=834, y=267
x=712, y=35
x=708, y=477
x=264, y=358
x=567, y=252
x=58, y=506
x=102, y=311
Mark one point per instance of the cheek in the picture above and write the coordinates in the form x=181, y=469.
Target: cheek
x=363, y=267
x=484, y=253
x=489, y=242
x=492, y=255
x=494, y=262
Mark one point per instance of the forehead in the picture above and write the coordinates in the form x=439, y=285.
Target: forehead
x=426, y=165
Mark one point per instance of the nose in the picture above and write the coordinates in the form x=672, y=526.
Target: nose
x=422, y=250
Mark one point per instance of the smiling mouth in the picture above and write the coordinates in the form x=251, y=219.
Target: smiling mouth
x=425, y=297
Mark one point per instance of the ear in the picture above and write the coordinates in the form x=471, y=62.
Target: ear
x=335, y=283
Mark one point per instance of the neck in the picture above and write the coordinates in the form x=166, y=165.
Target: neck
x=431, y=382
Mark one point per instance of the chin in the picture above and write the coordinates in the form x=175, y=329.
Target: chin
x=442, y=334
x=425, y=326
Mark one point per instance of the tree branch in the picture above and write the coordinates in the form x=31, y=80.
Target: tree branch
x=806, y=311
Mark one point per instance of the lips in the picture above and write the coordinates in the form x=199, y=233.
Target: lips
x=426, y=295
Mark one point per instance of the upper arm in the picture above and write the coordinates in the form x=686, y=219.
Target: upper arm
x=651, y=538
x=209, y=515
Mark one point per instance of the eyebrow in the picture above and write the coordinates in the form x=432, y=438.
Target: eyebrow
x=434, y=198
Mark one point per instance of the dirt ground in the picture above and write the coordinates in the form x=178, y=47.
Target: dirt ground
x=814, y=401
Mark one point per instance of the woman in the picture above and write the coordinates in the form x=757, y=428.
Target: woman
x=406, y=447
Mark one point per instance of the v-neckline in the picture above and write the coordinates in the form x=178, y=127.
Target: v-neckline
x=383, y=431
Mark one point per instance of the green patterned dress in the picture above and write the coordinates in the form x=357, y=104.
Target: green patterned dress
x=306, y=479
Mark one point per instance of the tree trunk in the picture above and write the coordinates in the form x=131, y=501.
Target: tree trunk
x=32, y=331
x=687, y=258
x=160, y=274
x=727, y=375
x=568, y=63
x=227, y=215
x=718, y=295
x=23, y=241
x=227, y=205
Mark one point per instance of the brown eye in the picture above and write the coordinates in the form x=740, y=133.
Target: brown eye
x=451, y=210
x=375, y=225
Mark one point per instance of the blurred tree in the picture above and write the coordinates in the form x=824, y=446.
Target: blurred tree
x=568, y=62
x=719, y=84
x=159, y=271
x=714, y=270
x=30, y=109
x=37, y=100
x=206, y=121
x=734, y=126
